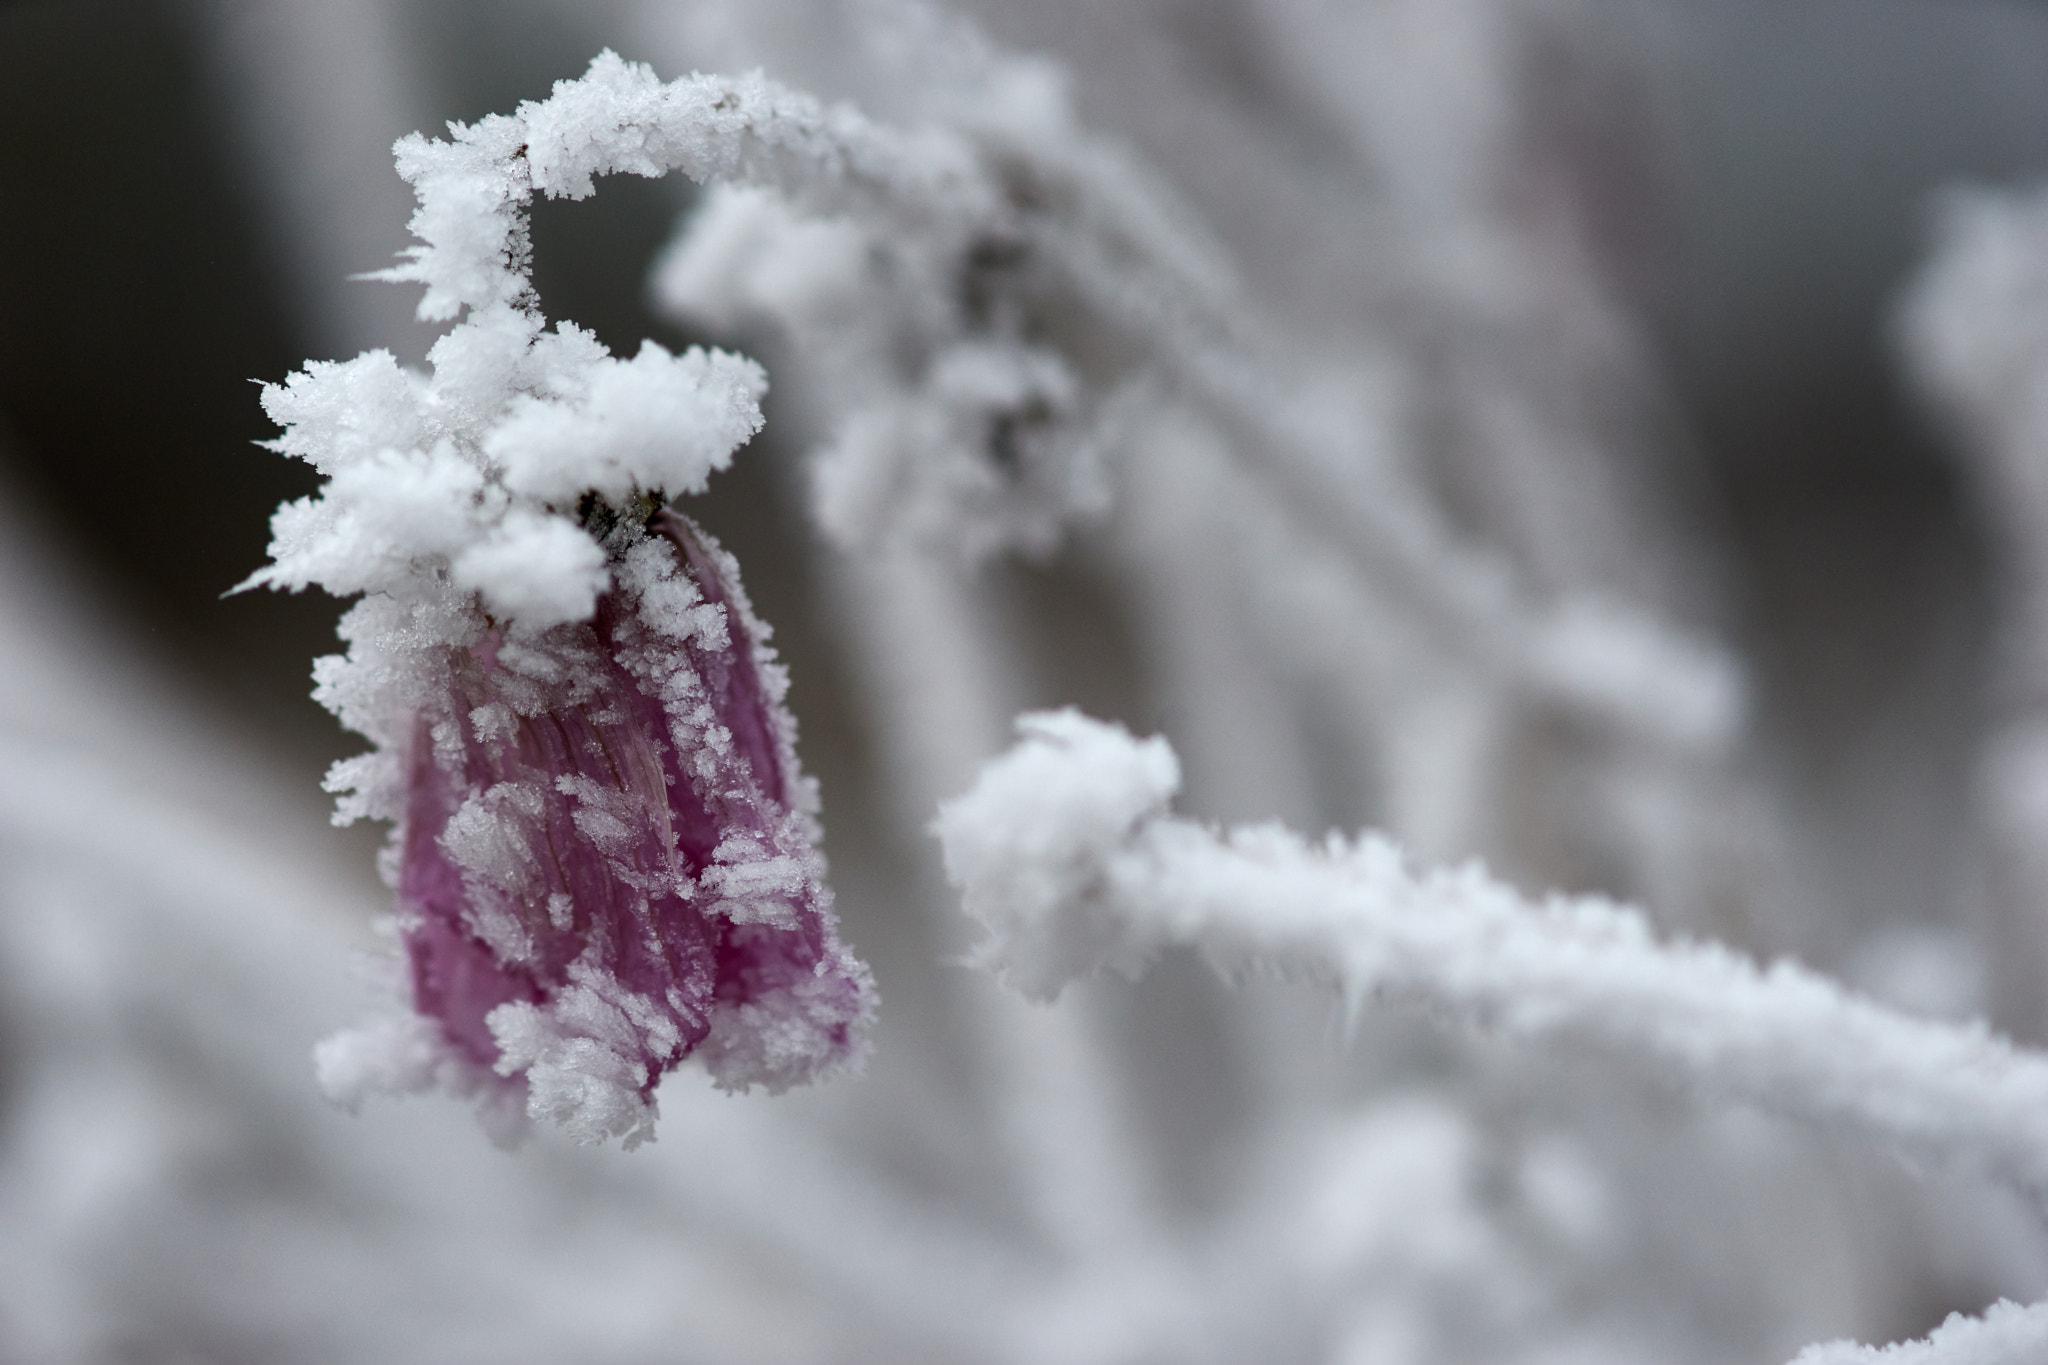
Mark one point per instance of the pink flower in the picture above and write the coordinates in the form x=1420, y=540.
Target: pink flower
x=605, y=860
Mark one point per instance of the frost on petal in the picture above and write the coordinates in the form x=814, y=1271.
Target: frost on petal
x=606, y=864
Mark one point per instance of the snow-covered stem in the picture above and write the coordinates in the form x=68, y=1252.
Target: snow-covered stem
x=2007, y=1334
x=620, y=118
x=1065, y=850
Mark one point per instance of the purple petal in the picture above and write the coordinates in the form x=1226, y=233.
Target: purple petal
x=606, y=862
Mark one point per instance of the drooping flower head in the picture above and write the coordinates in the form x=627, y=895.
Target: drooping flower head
x=605, y=859
x=603, y=849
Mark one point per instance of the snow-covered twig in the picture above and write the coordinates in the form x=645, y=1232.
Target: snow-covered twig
x=2007, y=1334
x=1064, y=849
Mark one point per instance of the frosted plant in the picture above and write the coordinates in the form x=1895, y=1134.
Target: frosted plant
x=603, y=849
x=1288, y=332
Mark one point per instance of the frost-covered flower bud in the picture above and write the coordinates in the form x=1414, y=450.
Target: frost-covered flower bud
x=604, y=859
x=605, y=863
x=604, y=849
x=604, y=856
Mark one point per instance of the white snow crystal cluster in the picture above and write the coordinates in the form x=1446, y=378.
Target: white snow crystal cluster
x=1029, y=845
x=469, y=479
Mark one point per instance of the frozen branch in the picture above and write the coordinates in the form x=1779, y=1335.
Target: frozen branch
x=2007, y=1334
x=1064, y=849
